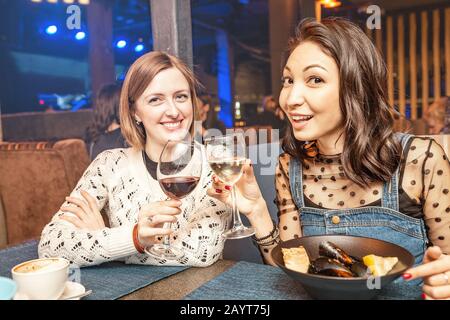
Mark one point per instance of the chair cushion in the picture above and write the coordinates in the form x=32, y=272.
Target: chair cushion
x=36, y=178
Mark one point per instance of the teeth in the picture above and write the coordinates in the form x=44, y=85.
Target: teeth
x=301, y=118
x=172, y=124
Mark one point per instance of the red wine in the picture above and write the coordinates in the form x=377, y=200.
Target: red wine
x=178, y=187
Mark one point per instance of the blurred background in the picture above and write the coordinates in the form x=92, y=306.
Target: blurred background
x=50, y=61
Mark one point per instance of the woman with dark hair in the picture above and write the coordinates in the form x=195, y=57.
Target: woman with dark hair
x=343, y=169
x=104, y=132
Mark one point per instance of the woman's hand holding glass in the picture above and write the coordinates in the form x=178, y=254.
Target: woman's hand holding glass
x=248, y=194
x=227, y=157
x=152, y=218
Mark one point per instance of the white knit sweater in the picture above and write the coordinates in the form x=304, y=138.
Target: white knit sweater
x=120, y=182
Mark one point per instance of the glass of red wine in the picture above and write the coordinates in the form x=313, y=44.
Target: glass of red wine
x=178, y=172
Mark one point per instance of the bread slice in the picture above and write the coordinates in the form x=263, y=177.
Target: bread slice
x=296, y=259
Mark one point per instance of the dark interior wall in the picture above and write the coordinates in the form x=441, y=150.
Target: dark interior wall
x=46, y=126
x=23, y=96
x=9, y=82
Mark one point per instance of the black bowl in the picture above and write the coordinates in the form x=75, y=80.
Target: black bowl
x=326, y=287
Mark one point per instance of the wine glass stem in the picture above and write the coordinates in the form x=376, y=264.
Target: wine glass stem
x=237, y=223
x=166, y=238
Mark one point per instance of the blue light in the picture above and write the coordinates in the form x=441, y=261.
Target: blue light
x=80, y=35
x=224, y=79
x=51, y=29
x=139, y=48
x=121, y=44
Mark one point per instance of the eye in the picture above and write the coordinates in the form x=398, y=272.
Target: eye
x=154, y=100
x=181, y=97
x=286, y=81
x=315, y=80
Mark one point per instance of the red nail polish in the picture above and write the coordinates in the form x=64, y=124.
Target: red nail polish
x=228, y=187
x=407, y=276
x=218, y=191
x=424, y=296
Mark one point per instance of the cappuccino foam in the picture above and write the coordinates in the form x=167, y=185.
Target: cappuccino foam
x=41, y=266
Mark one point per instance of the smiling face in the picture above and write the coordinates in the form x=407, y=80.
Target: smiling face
x=165, y=108
x=310, y=94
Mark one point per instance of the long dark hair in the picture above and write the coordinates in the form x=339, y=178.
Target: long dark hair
x=106, y=111
x=371, y=152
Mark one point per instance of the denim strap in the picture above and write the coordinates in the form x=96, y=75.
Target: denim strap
x=390, y=198
x=296, y=182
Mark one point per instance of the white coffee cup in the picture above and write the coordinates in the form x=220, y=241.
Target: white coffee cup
x=41, y=279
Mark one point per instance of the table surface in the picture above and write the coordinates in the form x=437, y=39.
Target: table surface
x=179, y=285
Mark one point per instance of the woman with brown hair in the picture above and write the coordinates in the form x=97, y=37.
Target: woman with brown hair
x=157, y=104
x=344, y=170
x=104, y=132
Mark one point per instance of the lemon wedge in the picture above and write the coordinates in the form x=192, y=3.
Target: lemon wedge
x=379, y=266
x=296, y=259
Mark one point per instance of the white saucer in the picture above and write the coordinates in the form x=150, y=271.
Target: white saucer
x=71, y=289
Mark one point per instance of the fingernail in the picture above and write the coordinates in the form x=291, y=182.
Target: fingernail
x=407, y=276
x=228, y=187
x=424, y=296
x=218, y=191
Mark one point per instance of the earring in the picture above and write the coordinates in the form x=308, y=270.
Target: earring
x=138, y=122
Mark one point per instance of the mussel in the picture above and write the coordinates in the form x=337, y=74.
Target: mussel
x=330, y=250
x=359, y=269
x=330, y=267
x=335, y=262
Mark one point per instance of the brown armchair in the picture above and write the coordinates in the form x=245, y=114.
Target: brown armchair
x=35, y=178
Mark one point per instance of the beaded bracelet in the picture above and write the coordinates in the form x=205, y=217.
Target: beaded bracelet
x=269, y=235
x=272, y=241
x=273, y=235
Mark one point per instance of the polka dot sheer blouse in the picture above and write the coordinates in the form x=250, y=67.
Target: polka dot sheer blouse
x=423, y=190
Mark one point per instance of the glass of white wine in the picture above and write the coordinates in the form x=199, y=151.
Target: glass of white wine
x=226, y=156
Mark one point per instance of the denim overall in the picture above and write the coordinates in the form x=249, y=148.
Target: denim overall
x=384, y=223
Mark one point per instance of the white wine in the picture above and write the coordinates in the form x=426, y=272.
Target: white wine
x=226, y=156
x=228, y=170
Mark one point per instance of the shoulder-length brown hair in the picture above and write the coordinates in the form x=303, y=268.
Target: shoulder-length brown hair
x=138, y=78
x=371, y=152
